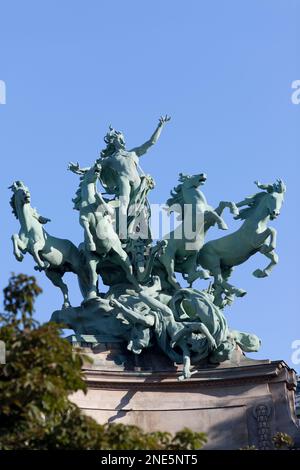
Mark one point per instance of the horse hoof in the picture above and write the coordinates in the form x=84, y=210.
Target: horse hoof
x=259, y=273
x=229, y=299
x=223, y=226
x=66, y=305
x=19, y=257
x=240, y=292
x=266, y=249
x=90, y=298
x=204, y=274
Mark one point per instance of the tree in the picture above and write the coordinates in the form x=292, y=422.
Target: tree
x=40, y=374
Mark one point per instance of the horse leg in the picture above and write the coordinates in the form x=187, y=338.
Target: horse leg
x=56, y=278
x=92, y=264
x=18, y=245
x=233, y=208
x=231, y=205
x=273, y=239
x=35, y=248
x=259, y=241
x=232, y=290
x=124, y=261
x=218, y=287
x=218, y=284
x=267, y=249
x=167, y=260
x=78, y=262
x=218, y=219
x=224, y=285
x=274, y=260
x=265, y=272
x=88, y=237
x=229, y=296
x=190, y=272
x=219, y=210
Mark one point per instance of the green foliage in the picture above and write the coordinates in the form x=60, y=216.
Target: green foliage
x=281, y=440
x=20, y=295
x=121, y=437
x=188, y=440
x=40, y=374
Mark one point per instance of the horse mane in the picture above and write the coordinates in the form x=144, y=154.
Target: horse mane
x=252, y=203
x=12, y=202
x=78, y=199
x=176, y=198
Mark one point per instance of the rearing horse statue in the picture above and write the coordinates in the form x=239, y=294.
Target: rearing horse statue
x=220, y=256
x=100, y=237
x=53, y=255
x=185, y=241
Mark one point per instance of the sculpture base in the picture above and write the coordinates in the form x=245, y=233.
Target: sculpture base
x=237, y=405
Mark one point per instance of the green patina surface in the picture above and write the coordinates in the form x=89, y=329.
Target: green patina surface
x=145, y=303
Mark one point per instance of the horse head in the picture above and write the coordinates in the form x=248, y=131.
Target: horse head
x=266, y=203
x=186, y=192
x=193, y=181
x=92, y=174
x=275, y=198
x=88, y=180
x=20, y=197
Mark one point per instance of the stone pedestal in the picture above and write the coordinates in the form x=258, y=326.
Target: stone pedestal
x=237, y=405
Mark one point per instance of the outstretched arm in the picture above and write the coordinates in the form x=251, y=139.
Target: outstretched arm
x=153, y=139
x=75, y=168
x=156, y=304
x=133, y=316
x=266, y=187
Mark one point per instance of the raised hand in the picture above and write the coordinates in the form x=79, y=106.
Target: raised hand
x=164, y=119
x=75, y=167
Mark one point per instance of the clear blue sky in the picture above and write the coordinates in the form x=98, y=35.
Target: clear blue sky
x=223, y=71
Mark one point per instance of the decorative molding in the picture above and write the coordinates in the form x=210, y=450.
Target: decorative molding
x=210, y=377
x=262, y=414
